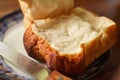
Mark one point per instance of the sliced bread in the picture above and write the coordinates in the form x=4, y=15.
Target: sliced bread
x=69, y=43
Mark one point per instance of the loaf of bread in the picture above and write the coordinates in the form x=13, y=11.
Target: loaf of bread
x=70, y=42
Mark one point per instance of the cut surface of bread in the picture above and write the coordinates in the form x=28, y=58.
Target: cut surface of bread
x=70, y=43
x=67, y=33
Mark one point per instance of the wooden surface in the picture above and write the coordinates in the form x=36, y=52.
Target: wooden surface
x=8, y=6
x=109, y=8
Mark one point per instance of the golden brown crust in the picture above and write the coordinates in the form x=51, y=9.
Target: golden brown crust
x=39, y=49
x=70, y=64
x=30, y=40
x=73, y=64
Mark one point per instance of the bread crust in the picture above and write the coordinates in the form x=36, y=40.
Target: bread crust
x=39, y=49
x=69, y=64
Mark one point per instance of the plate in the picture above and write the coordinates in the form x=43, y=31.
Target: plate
x=12, y=31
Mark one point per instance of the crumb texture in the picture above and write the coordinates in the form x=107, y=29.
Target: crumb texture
x=67, y=33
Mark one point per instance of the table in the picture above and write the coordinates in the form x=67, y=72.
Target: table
x=108, y=8
x=8, y=6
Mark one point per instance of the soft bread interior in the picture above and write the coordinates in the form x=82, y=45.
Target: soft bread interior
x=67, y=32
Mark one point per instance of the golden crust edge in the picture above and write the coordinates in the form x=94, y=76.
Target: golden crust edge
x=51, y=56
x=64, y=63
x=84, y=58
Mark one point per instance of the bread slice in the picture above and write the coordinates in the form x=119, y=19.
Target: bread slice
x=70, y=43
